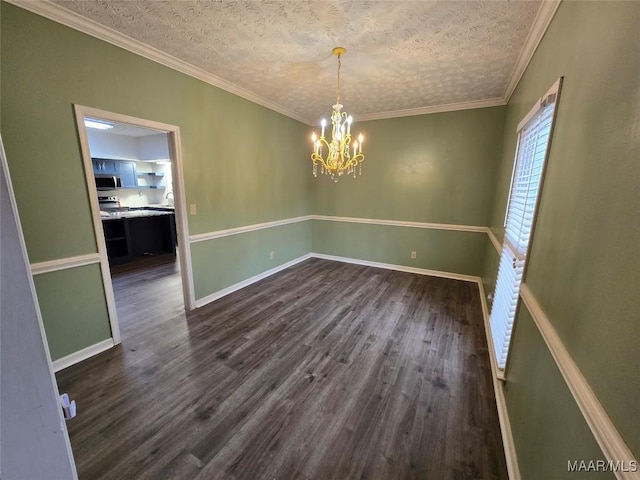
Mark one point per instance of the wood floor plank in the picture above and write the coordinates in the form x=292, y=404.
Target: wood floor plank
x=322, y=371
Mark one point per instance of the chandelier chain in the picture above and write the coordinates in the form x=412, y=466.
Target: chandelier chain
x=338, y=89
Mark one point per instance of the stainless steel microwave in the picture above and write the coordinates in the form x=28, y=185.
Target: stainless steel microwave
x=108, y=182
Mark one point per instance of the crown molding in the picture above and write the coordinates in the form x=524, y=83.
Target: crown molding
x=449, y=107
x=71, y=19
x=540, y=24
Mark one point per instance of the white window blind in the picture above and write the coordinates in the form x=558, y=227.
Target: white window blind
x=505, y=302
x=533, y=140
x=532, y=150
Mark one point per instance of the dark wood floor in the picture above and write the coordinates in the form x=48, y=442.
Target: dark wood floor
x=325, y=370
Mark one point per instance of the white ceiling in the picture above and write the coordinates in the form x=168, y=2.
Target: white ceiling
x=403, y=57
x=126, y=129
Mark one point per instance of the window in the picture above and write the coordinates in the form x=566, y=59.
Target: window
x=534, y=134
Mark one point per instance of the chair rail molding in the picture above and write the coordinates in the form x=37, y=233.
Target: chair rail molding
x=604, y=431
x=64, y=263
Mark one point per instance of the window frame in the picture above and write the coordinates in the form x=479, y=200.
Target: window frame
x=551, y=95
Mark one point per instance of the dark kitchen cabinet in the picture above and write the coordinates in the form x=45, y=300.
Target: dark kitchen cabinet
x=152, y=235
x=104, y=166
x=127, y=173
x=132, y=237
x=124, y=169
x=117, y=238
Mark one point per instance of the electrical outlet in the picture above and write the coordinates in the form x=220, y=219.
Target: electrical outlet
x=414, y=254
x=192, y=209
x=272, y=255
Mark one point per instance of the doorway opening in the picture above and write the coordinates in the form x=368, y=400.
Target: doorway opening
x=136, y=190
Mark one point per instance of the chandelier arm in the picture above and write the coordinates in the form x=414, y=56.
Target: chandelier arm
x=316, y=157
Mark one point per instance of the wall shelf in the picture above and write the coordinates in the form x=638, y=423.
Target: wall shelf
x=150, y=180
x=150, y=174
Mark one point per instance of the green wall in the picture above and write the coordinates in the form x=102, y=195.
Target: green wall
x=243, y=164
x=584, y=262
x=441, y=250
x=437, y=168
x=68, y=299
x=220, y=255
x=548, y=429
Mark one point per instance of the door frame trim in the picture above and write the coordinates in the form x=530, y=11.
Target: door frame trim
x=175, y=155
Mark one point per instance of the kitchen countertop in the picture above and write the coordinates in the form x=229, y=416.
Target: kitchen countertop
x=134, y=214
x=159, y=205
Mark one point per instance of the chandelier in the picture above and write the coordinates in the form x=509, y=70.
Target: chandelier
x=341, y=156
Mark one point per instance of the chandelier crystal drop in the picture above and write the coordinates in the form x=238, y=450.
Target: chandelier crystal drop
x=342, y=156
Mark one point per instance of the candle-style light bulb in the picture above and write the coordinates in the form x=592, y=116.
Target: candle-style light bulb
x=355, y=145
x=317, y=145
x=361, y=138
x=314, y=137
x=324, y=124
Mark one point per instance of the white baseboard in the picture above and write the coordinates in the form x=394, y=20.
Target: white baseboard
x=399, y=268
x=201, y=302
x=503, y=416
x=81, y=355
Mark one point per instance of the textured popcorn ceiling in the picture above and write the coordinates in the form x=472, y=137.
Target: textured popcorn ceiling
x=400, y=54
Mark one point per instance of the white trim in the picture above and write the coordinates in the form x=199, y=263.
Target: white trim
x=200, y=237
x=64, y=263
x=402, y=223
x=61, y=15
x=494, y=241
x=245, y=283
x=609, y=439
x=449, y=107
x=80, y=355
x=399, y=268
x=553, y=90
x=173, y=139
x=497, y=378
x=513, y=176
x=182, y=223
x=80, y=113
x=540, y=24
